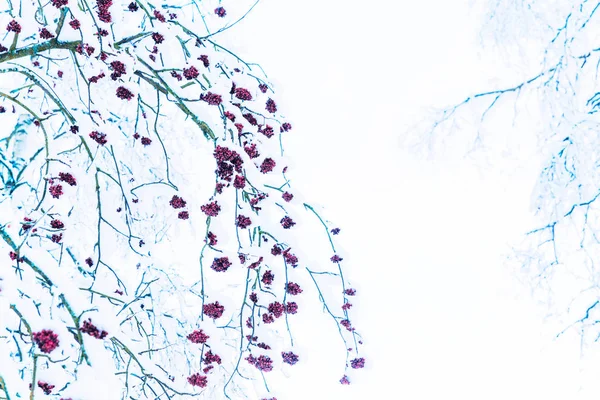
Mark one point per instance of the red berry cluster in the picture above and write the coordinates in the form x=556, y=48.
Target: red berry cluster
x=46, y=34
x=198, y=380
x=191, y=73
x=211, y=209
x=267, y=165
x=103, y=10
x=243, y=94
x=271, y=106
x=221, y=264
x=124, y=93
x=204, y=59
x=68, y=178
x=13, y=26
x=262, y=363
x=211, y=98
x=198, y=336
x=289, y=358
x=243, y=222
x=46, y=340
x=92, y=330
x=118, y=69
x=213, y=310
x=287, y=222
x=99, y=137
x=56, y=191
x=177, y=202
x=46, y=387
x=293, y=288
x=220, y=11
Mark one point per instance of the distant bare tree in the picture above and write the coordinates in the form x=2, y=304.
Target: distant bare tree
x=554, y=46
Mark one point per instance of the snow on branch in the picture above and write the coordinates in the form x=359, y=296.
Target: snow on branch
x=152, y=244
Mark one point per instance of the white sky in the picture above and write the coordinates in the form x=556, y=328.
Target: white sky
x=441, y=315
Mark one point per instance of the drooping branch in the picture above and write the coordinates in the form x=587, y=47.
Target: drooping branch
x=104, y=135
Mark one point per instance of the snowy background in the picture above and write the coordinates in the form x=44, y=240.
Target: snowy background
x=441, y=309
x=427, y=232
